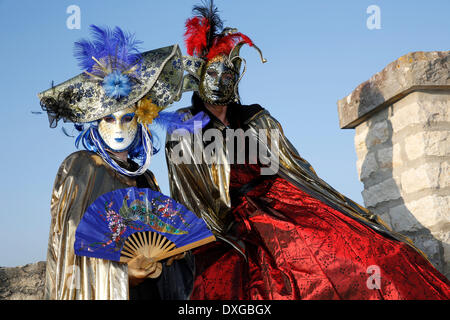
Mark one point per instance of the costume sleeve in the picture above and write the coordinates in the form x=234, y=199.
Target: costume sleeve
x=68, y=276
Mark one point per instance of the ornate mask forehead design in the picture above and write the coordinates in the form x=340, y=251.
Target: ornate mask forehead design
x=207, y=43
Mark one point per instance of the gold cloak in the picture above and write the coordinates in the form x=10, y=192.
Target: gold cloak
x=81, y=179
x=204, y=187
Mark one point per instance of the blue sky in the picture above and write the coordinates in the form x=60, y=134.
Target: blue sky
x=317, y=52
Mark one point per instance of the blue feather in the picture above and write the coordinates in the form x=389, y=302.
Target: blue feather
x=171, y=121
x=128, y=46
x=116, y=46
x=84, y=50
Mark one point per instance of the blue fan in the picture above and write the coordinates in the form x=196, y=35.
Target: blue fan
x=125, y=223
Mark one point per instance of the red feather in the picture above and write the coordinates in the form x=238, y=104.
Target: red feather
x=196, y=34
x=225, y=44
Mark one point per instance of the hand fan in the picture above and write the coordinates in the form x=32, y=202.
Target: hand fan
x=125, y=223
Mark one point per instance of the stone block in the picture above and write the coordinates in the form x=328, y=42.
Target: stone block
x=360, y=141
x=384, y=191
x=423, y=109
x=416, y=179
x=414, y=146
x=430, y=175
x=431, y=248
x=432, y=212
x=385, y=157
x=378, y=134
x=406, y=112
x=368, y=166
x=428, y=143
x=397, y=156
x=446, y=258
x=437, y=143
x=434, y=106
x=444, y=175
x=411, y=72
x=402, y=220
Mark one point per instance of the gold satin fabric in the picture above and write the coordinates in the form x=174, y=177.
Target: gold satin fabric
x=81, y=179
x=204, y=188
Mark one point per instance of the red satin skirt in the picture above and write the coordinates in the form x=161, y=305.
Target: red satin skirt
x=297, y=247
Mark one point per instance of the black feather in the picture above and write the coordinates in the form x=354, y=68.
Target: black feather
x=209, y=11
x=59, y=107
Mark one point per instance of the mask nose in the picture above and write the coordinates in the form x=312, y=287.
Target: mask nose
x=118, y=127
x=221, y=81
x=216, y=82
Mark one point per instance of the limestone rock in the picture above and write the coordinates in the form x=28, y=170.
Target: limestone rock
x=428, y=143
x=402, y=220
x=378, y=134
x=22, y=283
x=384, y=191
x=413, y=71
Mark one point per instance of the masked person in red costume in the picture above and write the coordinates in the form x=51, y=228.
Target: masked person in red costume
x=283, y=232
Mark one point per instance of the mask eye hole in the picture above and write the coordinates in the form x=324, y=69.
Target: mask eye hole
x=109, y=119
x=212, y=73
x=127, y=118
x=227, y=76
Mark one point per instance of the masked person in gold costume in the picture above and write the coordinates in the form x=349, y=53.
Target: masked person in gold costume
x=110, y=105
x=283, y=232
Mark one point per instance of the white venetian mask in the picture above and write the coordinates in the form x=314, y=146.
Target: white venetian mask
x=118, y=130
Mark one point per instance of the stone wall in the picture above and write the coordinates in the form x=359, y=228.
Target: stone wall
x=22, y=283
x=401, y=118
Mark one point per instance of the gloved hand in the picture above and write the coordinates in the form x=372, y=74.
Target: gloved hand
x=141, y=267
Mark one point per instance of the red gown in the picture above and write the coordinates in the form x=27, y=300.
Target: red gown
x=297, y=247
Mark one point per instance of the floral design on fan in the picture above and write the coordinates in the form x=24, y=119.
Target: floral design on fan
x=165, y=210
x=149, y=213
x=117, y=225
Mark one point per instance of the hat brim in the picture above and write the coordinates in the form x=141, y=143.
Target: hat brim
x=83, y=99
